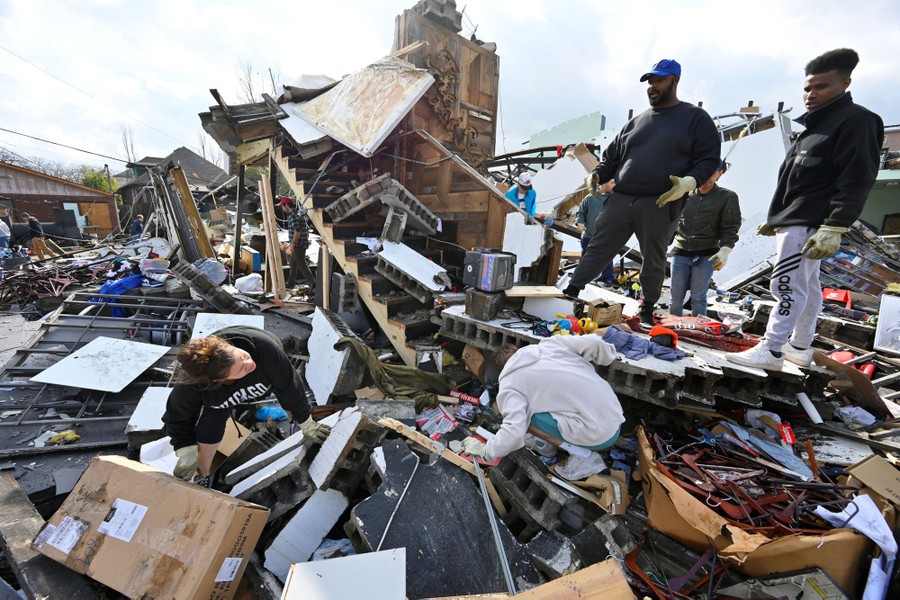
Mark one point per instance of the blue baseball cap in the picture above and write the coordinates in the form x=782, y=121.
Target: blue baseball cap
x=666, y=66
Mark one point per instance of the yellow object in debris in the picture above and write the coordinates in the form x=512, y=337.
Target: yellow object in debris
x=892, y=288
x=64, y=437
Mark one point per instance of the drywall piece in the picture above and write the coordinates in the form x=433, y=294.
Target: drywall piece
x=383, y=574
x=266, y=458
x=399, y=409
x=146, y=422
x=330, y=371
x=305, y=531
x=267, y=475
x=439, y=517
x=365, y=106
x=426, y=272
x=527, y=242
x=547, y=308
x=209, y=323
x=562, y=179
x=104, y=364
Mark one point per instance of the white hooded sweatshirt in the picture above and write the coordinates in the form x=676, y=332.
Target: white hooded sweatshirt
x=556, y=376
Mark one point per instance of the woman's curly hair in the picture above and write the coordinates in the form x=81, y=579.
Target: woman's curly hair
x=204, y=361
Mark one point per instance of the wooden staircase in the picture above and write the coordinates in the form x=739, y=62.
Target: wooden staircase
x=400, y=316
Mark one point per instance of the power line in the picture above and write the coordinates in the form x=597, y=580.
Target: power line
x=121, y=160
x=25, y=60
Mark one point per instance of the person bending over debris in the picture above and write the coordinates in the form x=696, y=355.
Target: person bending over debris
x=822, y=187
x=706, y=234
x=36, y=233
x=553, y=387
x=656, y=159
x=234, y=367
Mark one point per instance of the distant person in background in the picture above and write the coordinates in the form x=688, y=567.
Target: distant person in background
x=36, y=233
x=523, y=195
x=137, y=228
x=298, y=228
x=4, y=234
x=588, y=211
x=822, y=188
x=706, y=233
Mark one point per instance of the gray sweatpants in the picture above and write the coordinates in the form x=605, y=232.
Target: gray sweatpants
x=622, y=216
x=796, y=289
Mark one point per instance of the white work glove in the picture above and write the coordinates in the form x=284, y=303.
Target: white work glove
x=720, y=258
x=580, y=227
x=824, y=242
x=188, y=462
x=473, y=447
x=316, y=432
x=765, y=229
x=592, y=183
x=680, y=187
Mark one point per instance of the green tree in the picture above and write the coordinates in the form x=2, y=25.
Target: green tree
x=98, y=179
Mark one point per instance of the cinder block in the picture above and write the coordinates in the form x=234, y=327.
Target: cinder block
x=256, y=463
x=280, y=486
x=331, y=372
x=394, y=226
x=343, y=459
x=553, y=554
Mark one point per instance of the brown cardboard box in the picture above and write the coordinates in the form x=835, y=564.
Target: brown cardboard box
x=879, y=475
x=678, y=514
x=147, y=534
x=603, y=313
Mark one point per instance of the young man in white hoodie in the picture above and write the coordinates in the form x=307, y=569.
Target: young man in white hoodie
x=554, y=387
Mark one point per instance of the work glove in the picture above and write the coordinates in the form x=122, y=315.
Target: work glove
x=473, y=447
x=824, y=242
x=765, y=229
x=580, y=227
x=592, y=183
x=188, y=462
x=316, y=432
x=680, y=187
x=720, y=258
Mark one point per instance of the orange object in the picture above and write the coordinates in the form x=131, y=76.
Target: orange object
x=660, y=330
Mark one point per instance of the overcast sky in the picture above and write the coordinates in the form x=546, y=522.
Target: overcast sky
x=75, y=72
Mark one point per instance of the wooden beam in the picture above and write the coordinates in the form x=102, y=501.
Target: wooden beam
x=38, y=575
x=190, y=210
x=274, y=266
x=409, y=49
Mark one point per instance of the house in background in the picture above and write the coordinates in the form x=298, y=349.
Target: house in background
x=67, y=209
x=136, y=189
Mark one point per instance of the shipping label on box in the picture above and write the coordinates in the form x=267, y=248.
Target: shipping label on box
x=147, y=534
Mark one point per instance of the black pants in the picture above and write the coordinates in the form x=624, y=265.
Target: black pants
x=622, y=216
x=298, y=265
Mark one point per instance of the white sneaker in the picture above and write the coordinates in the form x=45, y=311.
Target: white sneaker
x=577, y=468
x=758, y=356
x=539, y=445
x=798, y=357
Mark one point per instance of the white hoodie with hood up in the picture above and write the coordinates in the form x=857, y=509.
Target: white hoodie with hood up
x=556, y=376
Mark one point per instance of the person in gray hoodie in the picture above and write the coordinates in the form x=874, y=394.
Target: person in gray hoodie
x=554, y=387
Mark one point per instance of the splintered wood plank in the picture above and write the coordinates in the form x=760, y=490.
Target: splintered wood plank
x=37, y=575
x=275, y=268
x=540, y=291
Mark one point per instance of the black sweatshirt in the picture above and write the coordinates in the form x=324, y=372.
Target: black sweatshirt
x=681, y=140
x=829, y=171
x=273, y=372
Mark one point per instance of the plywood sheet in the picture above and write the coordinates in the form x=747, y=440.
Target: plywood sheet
x=540, y=291
x=105, y=364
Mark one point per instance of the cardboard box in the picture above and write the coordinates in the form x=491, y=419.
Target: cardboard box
x=147, y=534
x=678, y=514
x=603, y=313
x=880, y=476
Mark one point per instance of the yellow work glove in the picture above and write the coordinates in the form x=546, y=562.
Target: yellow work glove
x=720, y=258
x=580, y=227
x=592, y=183
x=316, y=432
x=473, y=447
x=188, y=462
x=765, y=229
x=680, y=187
x=824, y=242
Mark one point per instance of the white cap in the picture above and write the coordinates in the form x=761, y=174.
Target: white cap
x=524, y=179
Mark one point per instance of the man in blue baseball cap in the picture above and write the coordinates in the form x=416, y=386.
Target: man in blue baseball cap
x=656, y=160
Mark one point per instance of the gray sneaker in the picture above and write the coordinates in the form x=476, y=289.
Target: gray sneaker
x=539, y=445
x=577, y=468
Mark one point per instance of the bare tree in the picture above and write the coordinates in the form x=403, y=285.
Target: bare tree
x=128, y=142
x=246, y=84
x=202, y=144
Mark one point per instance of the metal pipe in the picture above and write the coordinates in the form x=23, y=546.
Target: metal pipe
x=504, y=562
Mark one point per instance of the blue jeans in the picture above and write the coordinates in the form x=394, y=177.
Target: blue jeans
x=4, y=241
x=694, y=273
x=546, y=423
x=608, y=275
